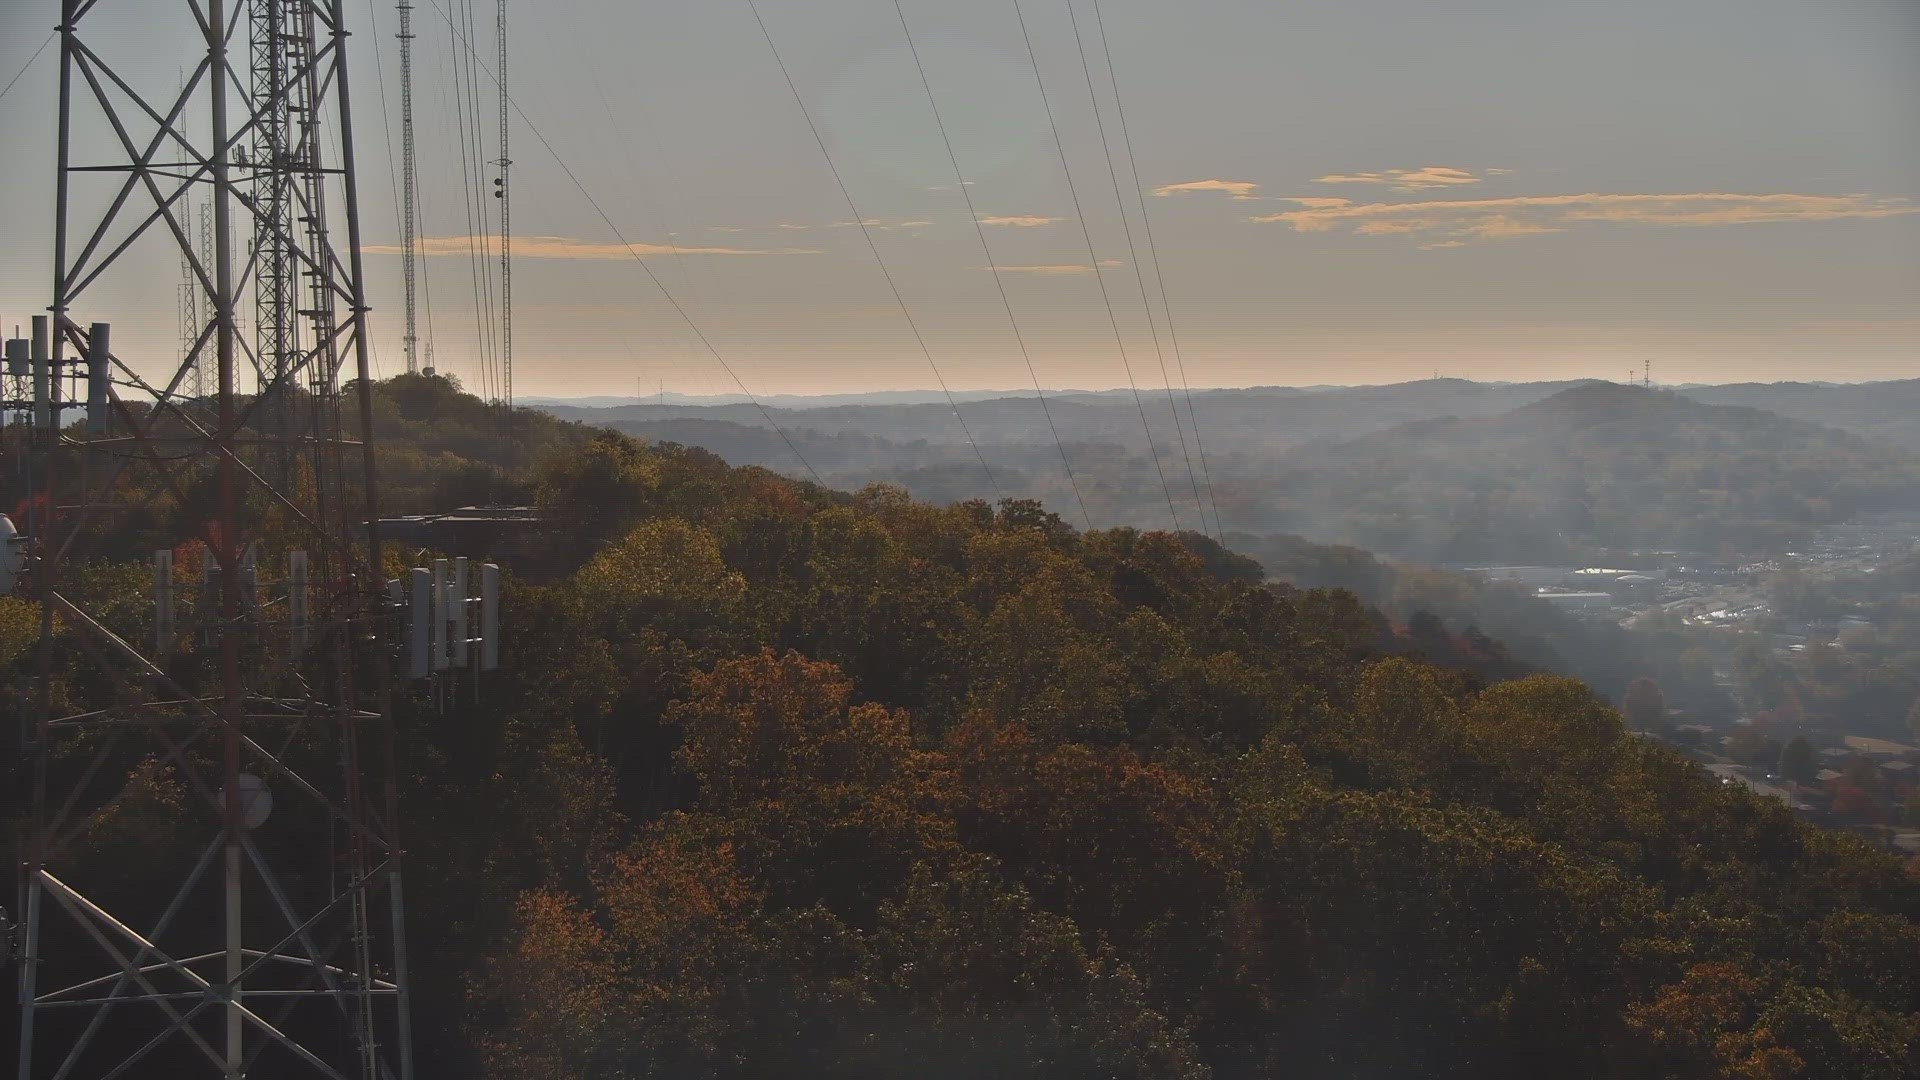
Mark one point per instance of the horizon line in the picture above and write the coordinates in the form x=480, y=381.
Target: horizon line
x=936, y=392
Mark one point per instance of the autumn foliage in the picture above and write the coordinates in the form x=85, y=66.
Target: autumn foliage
x=819, y=785
x=786, y=782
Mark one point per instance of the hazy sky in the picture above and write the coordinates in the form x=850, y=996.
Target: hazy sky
x=1355, y=191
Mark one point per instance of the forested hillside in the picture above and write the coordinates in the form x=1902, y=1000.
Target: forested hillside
x=784, y=781
x=1529, y=631
x=1442, y=471
x=1886, y=410
x=1598, y=467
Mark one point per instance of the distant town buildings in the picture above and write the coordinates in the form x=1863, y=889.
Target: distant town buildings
x=1578, y=601
x=1531, y=576
x=1856, y=782
x=1863, y=784
x=1591, y=590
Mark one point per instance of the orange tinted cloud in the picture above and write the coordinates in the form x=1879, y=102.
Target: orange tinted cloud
x=1239, y=189
x=1409, y=180
x=1436, y=221
x=882, y=224
x=1020, y=221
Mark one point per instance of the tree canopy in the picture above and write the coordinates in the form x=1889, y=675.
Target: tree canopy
x=786, y=781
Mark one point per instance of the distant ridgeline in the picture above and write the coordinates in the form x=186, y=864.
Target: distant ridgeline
x=787, y=781
x=1441, y=472
x=1590, y=470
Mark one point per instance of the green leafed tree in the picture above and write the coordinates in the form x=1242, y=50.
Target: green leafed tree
x=1645, y=706
x=1797, y=761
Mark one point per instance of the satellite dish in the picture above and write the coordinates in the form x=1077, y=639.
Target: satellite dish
x=256, y=801
x=12, y=554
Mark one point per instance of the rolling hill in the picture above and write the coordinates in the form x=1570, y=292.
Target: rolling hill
x=1592, y=468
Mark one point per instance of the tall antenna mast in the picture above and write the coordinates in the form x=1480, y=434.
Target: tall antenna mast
x=503, y=190
x=190, y=324
x=272, y=941
x=409, y=186
x=275, y=168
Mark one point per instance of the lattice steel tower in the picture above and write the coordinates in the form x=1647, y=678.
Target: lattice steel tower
x=258, y=692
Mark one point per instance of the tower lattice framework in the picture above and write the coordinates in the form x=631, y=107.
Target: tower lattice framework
x=267, y=937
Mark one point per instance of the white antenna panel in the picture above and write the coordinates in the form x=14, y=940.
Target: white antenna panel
x=12, y=554
x=42, y=373
x=437, y=606
x=457, y=608
x=250, y=581
x=99, y=353
x=419, y=641
x=489, y=616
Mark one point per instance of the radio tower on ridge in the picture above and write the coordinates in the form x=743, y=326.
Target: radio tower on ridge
x=409, y=190
x=503, y=190
x=272, y=940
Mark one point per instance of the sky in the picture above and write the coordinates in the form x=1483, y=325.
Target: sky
x=1336, y=192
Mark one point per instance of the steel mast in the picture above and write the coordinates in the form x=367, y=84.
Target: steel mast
x=409, y=186
x=268, y=711
x=503, y=190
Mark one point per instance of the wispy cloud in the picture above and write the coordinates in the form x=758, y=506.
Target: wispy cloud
x=882, y=224
x=1019, y=221
x=1409, y=180
x=1312, y=202
x=562, y=247
x=1239, y=189
x=1439, y=223
x=1060, y=268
